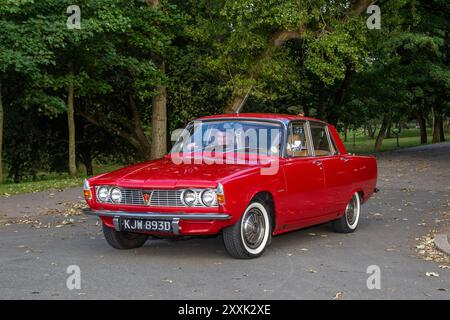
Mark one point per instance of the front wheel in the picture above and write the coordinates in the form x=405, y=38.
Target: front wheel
x=249, y=237
x=349, y=221
x=123, y=240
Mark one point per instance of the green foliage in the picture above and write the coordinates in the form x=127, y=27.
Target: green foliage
x=311, y=56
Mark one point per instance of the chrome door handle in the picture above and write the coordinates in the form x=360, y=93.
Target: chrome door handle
x=345, y=159
x=317, y=162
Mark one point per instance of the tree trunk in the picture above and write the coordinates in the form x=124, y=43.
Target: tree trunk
x=423, y=127
x=339, y=98
x=371, y=131
x=438, y=126
x=88, y=161
x=89, y=168
x=71, y=126
x=1, y=131
x=441, y=130
x=389, y=131
x=382, y=133
x=345, y=133
x=159, y=111
x=159, y=123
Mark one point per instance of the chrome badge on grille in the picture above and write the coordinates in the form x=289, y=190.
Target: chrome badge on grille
x=146, y=196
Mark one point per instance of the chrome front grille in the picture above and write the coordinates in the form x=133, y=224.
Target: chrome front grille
x=158, y=198
x=132, y=197
x=166, y=198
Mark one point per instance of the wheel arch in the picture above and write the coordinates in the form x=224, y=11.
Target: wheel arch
x=360, y=192
x=268, y=198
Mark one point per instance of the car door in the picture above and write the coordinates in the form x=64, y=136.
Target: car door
x=305, y=185
x=337, y=178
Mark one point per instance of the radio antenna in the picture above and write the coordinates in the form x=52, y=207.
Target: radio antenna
x=243, y=100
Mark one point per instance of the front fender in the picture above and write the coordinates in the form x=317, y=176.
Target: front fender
x=240, y=191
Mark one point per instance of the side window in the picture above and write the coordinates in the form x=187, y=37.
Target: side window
x=320, y=141
x=297, y=145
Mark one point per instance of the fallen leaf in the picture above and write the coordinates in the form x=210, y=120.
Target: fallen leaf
x=338, y=296
x=377, y=214
x=432, y=274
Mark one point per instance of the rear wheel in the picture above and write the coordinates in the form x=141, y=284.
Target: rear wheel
x=123, y=240
x=349, y=221
x=249, y=237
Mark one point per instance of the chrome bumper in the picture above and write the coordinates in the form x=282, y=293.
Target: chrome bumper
x=175, y=217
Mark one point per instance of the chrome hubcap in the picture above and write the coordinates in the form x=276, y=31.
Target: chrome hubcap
x=253, y=228
x=351, y=212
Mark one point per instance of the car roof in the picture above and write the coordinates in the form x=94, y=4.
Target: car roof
x=260, y=116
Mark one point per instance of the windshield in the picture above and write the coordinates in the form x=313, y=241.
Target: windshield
x=253, y=137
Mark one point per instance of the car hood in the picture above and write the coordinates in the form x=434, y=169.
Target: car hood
x=164, y=173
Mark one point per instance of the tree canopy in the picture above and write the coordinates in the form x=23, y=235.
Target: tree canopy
x=110, y=89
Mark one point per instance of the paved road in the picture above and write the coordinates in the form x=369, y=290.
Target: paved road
x=309, y=264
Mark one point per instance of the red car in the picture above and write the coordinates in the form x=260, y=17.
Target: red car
x=247, y=176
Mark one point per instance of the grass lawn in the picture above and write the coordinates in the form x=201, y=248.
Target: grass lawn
x=363, y=144
x=49, y=181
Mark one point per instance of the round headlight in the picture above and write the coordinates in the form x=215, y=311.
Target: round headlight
x=189, y=197
x=209, y=198
x=116, y=195
x=103, y=194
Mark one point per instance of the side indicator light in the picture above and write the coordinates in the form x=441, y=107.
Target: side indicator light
x=87, y=194
x=220, y=198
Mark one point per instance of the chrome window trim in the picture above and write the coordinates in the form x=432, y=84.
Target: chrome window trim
x=331, y=142
x=308, y=137
x=331, y=147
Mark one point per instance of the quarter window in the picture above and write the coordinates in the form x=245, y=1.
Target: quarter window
x=320, y=141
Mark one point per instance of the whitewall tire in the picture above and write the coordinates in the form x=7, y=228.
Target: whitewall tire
x=349, y=221
x=250, y=236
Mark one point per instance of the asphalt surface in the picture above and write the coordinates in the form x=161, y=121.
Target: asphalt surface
x=308, y=264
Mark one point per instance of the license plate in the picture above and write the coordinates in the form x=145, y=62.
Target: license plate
x=146, y=225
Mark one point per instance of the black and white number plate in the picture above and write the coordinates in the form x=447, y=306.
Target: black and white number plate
x=127, y=224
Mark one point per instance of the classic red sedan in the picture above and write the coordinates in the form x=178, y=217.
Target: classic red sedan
x=246, y=176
